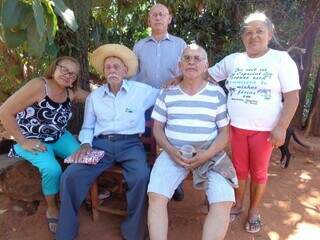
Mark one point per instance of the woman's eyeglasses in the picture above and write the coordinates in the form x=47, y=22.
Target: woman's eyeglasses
x=65, y=71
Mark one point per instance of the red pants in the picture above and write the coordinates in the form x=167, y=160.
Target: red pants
x=251, y=152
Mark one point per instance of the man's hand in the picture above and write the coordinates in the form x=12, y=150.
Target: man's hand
x=172, y=82
x=208, y=77
x=84, y=149
x=177, y=157
x=277, y=136
x=200, y=158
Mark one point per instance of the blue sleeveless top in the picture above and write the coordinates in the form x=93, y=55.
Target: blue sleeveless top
x=45, y=120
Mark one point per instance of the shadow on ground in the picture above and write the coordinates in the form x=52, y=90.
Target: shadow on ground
x=291, y=210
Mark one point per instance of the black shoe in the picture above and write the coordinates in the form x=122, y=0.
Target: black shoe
x=178, y=194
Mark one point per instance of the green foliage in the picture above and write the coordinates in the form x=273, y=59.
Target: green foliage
x=210, y=24
x=33, y=24
x=66, y=14
x=39, y=18
x=119, y=22
x=10, y=79
x=46, y=28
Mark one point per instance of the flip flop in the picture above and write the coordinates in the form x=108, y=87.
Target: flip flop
x=234, y=215
x=52, y=223
x=254, y=224
x=104, y=194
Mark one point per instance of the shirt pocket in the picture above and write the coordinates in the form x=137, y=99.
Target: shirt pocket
x=131, y=115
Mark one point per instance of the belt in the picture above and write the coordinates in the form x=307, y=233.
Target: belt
x=117, y=137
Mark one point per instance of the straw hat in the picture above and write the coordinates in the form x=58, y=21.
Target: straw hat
x=127, y=56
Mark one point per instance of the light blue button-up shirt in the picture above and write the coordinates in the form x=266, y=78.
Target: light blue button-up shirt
x=123, y=113
x=158, y=61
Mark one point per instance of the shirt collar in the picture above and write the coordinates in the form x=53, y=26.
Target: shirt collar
x=166, y=37
x=124, y=87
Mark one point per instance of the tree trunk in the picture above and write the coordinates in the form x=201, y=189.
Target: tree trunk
x=80, y=40
x=312, y=23
x=313, y=126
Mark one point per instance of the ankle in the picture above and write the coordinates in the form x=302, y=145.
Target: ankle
x=52, y=211
x=237, y=207
x=253, y=212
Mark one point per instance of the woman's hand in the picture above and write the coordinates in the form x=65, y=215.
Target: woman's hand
x=200, y=158
x=33, y=145
x=290, y=103
x=277, y=137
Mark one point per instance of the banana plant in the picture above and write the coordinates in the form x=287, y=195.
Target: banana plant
x=33, y=24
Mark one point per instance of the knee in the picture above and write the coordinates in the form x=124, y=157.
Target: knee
x=52, y=171
x=221, y=207
x=242, y=170
x=242, y=173
x=157, y=201
x=142, y=177
x=259, y=177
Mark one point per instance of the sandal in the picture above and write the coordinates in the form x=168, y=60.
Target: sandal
x=103, y=195
x=235, y=214
x=52, y=223
x=254, y=224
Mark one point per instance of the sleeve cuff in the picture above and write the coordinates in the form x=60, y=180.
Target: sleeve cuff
x=86, y=136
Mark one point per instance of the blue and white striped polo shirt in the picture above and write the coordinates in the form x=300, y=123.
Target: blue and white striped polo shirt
x=193, y=119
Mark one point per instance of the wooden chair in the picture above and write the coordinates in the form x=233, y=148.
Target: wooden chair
x=116, y=173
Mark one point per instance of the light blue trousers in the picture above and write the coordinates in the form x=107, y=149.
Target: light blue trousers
x=47, y=163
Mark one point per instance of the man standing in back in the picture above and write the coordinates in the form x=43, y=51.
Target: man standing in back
x=158, y=57
x=159, y=53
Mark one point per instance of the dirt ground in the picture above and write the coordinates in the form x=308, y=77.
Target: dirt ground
x=290, y=210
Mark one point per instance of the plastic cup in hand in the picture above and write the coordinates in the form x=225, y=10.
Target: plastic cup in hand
x=187, y=151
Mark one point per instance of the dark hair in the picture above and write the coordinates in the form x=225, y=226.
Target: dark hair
x=260, y=16
x=52, y=68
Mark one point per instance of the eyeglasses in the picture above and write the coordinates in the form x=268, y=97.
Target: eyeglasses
x=65, y=71
x=188, y=58
x=160, y=14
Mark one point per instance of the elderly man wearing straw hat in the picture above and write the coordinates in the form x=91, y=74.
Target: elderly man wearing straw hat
x=113, y=120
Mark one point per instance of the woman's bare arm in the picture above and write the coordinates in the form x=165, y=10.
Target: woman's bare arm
x=30, y=93
x=290, y=104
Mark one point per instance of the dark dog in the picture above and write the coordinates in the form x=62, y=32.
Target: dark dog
x=285, y=153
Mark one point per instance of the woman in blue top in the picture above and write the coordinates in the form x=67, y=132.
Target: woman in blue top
x=36, y=116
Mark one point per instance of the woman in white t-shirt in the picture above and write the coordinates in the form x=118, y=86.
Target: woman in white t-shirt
x=257, y=80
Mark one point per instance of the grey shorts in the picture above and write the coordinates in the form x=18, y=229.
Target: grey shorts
x=166, y=175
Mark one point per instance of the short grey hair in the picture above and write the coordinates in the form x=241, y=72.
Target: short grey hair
x=194, y=46
x=257, y=16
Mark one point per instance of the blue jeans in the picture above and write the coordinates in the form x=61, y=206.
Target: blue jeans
x=77, y=179
x=47, y=163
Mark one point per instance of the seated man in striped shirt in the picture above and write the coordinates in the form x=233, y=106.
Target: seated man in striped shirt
x=192, y=113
